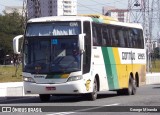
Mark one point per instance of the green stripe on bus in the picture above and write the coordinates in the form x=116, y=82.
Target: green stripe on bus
x=101, y=21
x=110, y=67
x=95, y=19
x=98, y=20
x=57, y=76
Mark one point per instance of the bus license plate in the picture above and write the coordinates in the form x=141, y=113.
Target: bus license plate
x=50, y=88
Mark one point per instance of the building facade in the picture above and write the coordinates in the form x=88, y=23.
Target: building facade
x=42, y=8
x=120, y=14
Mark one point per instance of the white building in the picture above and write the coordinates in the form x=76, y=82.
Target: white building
x=11, y=9
x=51, y=8
x=120, y=14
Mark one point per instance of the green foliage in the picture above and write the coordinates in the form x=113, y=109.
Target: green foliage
x=10, y=26
x=157, y=52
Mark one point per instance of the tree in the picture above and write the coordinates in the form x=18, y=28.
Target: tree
x=10, y=26
x=157, y=52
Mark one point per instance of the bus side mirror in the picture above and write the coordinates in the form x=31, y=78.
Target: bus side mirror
x=81, y=42
x=16, y=44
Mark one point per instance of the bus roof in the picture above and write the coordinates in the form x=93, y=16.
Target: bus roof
x=112, y=21
x=59, y=18
x=87, y=17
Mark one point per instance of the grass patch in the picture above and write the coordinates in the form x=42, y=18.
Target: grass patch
x=155, y=66
x=8, y=74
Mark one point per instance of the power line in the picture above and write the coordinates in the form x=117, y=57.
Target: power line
x=115, y=1
x=99, y=2
x=88, y=8
x=2, y=5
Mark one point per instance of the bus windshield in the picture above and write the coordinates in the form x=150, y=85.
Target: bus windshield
x=59, y=54
x=52, y=47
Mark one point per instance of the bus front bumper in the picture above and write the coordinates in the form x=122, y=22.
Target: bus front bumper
x=74, y=87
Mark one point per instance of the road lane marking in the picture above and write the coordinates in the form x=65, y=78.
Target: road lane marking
x=62, y=113
x=82, y=110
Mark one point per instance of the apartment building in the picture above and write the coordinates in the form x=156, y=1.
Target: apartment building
x=42, y=8
x=120, y=14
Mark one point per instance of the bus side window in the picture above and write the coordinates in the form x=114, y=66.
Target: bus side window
x=105, y=36
x=114, y=37
x=95, y=41
x=130, y=36
x=140, y=38
x=125, y=34
x=135, y=38
x=97, y=35
x=121, y=37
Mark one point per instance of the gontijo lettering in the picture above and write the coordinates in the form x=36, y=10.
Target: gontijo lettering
x=128, y=56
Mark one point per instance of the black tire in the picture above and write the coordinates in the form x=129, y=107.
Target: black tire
x=131, y=90
x=134, y=89
x=120, y=92
x=44, y=97
x=93, y=95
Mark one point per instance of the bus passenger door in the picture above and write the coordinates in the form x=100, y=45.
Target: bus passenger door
x=87, y=46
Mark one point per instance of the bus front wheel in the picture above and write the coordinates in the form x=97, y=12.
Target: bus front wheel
x=93, y=95
x=44, y=97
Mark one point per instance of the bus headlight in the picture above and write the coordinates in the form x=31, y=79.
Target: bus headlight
x=74, y=78
x=28, y=79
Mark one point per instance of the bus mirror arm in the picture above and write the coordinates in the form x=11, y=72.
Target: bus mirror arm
x=16, y=44
x=81, y=42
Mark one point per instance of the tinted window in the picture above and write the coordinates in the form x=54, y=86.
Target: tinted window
x=117, y=36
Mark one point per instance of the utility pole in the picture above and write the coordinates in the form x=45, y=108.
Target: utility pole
x=155, y=22
x=24, y=14
x=135, y=11
x=147, y=32
x=155, y=19
x=139, y=12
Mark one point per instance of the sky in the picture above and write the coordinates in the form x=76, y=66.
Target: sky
x=84, y=6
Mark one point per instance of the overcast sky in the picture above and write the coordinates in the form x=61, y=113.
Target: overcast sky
x=84, y=6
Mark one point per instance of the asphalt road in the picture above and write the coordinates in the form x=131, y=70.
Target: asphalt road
x=146, y=101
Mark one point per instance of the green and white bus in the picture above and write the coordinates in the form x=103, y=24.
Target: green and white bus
x=81, y=55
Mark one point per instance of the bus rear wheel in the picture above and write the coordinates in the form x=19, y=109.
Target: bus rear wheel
x=44, y=97
x=131, y=90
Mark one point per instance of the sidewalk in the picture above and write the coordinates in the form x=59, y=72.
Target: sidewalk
x=11, y=89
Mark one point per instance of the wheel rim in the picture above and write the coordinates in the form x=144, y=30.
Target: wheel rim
x=134, y=87
x=130, y=87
